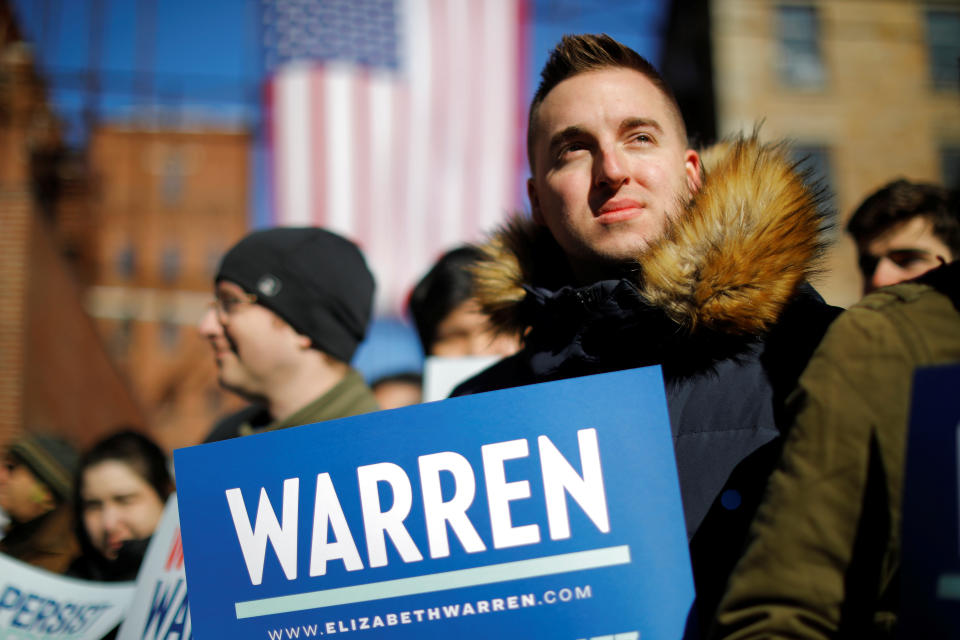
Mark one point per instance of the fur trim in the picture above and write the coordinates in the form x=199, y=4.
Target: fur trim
x=730, y=264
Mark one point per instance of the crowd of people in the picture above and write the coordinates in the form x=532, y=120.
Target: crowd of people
x=639, y=250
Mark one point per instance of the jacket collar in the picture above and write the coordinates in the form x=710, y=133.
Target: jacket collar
x=736, y=257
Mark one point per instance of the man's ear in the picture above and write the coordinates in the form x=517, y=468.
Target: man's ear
x=304, y=342
x=534, y=202
x=693, y=170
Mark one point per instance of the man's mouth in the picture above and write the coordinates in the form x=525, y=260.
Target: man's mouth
x=619, y=210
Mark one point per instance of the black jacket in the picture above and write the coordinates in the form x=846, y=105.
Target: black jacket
x=720, y=303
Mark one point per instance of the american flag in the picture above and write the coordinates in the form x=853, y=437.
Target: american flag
x=399, y=124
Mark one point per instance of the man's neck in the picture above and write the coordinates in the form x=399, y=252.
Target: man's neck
x=308, y=384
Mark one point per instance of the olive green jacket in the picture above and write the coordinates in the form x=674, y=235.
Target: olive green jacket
x=349, y=397
x=824, y=550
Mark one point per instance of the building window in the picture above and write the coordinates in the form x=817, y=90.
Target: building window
x=169, y=334
x=798, y=34
x=170, y=264
x=126, y=262
x=943, y=46
x=950, y=166
x=814, y=161
x=173, y=177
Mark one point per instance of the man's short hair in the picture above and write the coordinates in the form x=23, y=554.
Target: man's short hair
x=576, y=54
x=902, y=200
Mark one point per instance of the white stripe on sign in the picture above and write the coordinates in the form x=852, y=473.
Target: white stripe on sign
x=459, y=579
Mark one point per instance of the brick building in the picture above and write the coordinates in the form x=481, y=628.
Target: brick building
x=106, y=259
x=55, y=375
x=168, y=204
x=866, y=89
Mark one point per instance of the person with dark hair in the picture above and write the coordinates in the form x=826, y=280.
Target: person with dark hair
x=642, y=251
x=291, y=306
x=903, y=230
x=448, y=318
x=36, y=486
x=122, y=486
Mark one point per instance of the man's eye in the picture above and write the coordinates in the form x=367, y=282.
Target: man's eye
x=906, y=259
x=643, y=137
x=573, y=147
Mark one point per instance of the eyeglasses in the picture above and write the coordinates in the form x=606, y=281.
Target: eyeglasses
x=225, y=306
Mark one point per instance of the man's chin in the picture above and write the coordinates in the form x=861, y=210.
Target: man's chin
x=240, y=388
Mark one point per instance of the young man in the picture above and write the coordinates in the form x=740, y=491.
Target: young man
x=642, y=252
x=903, y=230
x=291, y=305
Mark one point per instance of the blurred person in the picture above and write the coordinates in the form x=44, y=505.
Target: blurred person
x=903, y=230
x=398, y=390
x=291, y=305
x=642, y=252
x=122, y=487
x=36, y=486
x=823, y=559
x=448, y=317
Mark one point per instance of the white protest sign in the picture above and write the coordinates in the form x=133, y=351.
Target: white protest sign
x=36, y=604
x=442, y=375
x=159, y=609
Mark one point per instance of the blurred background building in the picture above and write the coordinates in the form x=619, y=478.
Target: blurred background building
x=139, y=140
x=866, y=89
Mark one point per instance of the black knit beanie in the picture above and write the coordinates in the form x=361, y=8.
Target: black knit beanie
x=315, y=280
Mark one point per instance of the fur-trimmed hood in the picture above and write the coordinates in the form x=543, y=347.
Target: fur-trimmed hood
x=729, y=265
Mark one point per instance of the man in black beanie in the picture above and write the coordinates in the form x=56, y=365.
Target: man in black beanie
x=291, y=305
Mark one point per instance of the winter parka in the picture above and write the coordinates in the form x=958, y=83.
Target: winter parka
x=720, y=302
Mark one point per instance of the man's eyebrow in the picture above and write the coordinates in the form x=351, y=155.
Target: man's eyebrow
x=638, y=123
x=560, y=137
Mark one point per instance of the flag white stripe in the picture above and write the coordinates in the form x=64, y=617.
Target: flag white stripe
x=381, y=182
x=499, y=99
x=455, y=91
x=338, y=124
x=293, y=127
x=418, y=44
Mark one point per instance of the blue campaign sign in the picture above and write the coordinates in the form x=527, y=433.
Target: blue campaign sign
x=931, y=508
x=547, y=511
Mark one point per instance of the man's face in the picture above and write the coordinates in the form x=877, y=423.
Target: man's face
x=903, y=252
x=610, y=167
x=466, y=331
x=256, y=351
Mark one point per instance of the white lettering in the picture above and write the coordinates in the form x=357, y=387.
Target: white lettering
x=438, y=513
x=327, y=510
x=500, y=493
x=253, y=542
x=376, y=522
x=560, y=477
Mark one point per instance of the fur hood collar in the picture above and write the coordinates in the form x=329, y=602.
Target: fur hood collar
x=745, y=243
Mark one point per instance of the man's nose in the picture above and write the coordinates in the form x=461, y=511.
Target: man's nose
x=209, y=324
x=886, y=274
x=609, y=167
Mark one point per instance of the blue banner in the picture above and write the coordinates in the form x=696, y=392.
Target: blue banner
x=931, y=508
x=547, y=511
